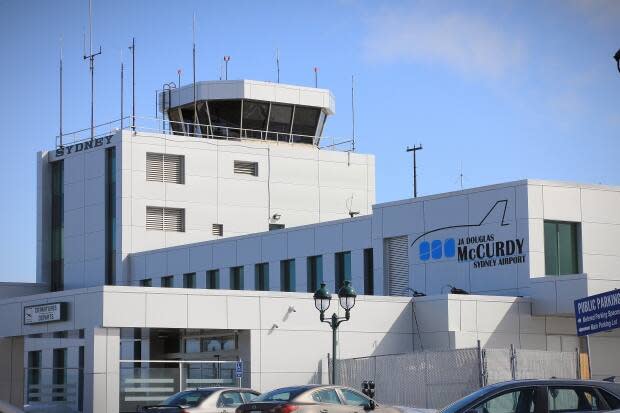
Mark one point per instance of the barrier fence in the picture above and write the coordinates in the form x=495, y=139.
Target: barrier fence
x=434, y=379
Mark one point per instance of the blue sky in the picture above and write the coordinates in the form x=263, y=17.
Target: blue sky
x=500, y=90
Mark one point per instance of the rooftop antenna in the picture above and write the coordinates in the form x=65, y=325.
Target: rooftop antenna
x=353, y=112
x=122, y=90
x=461, y=175
x=133, y=83
x=415, y=168
x=179, y=72
x=349, y=205
x=194, y=63
x=226, y=60
x=60, y=112
x=278, y=64
x=91, y=57
x=316, y=76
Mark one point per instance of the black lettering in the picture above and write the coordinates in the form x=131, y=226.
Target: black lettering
x=479, y=250
x=69, y=148
x=88, y=144
x=79, y=147
x=471, y=254
x=499, y=248
x=488, y=250
x=510, y=247
x=462, y=253
x=60, y=151
x=98, y=142
x=519, y=246
x=108, y=139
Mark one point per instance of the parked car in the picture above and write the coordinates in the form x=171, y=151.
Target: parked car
x=541, y=396
x=313, y=398
x=204, y=400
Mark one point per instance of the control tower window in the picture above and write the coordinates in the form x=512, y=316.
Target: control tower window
x=304, y=123
x=280, y=121
x=225, y=118
x=255, y=118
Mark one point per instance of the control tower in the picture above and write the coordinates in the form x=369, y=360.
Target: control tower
x=241, y=157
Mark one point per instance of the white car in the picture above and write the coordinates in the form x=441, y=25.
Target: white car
x=205, y=400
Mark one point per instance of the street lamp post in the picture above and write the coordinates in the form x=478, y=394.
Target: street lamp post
x=346, y=298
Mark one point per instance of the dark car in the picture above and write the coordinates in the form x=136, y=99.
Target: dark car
x=204, y=400
x=313, y=398
x=540, y=396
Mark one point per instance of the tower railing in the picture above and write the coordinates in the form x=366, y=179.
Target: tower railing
x=200, y=131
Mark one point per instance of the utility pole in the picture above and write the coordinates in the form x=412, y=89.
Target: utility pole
x=415, y=167
x=226, y=60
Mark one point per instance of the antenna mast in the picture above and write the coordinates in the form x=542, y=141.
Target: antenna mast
x=353, y=112
x=60, y=112
x=415, y=168
x=278, y=63
x=133, y=83
x=316, y=76
x=91, y=57
x=122, y=84
x=194, y=64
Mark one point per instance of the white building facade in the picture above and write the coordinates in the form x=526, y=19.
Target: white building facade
x=203, y=241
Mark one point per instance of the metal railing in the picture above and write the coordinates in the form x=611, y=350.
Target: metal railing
x=200, y=131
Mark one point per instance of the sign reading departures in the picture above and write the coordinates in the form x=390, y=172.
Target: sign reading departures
x=45, y=313
x=600, y=312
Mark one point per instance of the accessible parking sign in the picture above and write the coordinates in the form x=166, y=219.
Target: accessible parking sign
x=600, y=312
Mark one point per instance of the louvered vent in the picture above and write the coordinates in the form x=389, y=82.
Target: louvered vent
x=164, y=167
x=396, y=265
x=165, y=219
x=246, y=168
x=218, y=230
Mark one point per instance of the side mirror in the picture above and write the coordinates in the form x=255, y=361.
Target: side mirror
x=370, y=406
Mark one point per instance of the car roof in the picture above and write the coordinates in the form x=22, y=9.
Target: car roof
x=554, y=382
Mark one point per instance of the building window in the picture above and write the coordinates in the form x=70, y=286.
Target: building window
x=57, y=226
x=213, y=279
x=342, y=269
x=165, y=167
x=561, y=248
x=147, y=282
x=246, y=168
x=314, y=272
x=261, y=276
x=236, y=278
x=33, y=392
x=165, y=219
x=110, y=215
x=59, y=374
x=189, y=280
x=218, y=230
x=287, y=275
x=167, y=281
x=81, y=379
x=369, y=282
x=274, y=227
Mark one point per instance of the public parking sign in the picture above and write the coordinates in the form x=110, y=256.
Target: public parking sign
x=600, y=312
x=239, y=369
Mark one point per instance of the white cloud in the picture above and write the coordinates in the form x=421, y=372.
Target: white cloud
x=468, y=43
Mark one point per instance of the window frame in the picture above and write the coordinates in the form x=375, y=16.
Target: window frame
x=541, y=397
x=576, y=229
x=595, y=390
x=315, y=393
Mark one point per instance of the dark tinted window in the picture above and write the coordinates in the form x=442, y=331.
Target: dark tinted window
x=280, y=118
x=187, y=398
x=611, y=400
x=225, y=113
x=255, y=117
x=571, y=399
x=305, y=122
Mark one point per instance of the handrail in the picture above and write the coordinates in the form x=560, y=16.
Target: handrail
x=195, y=130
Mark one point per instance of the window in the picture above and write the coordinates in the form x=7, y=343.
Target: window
x=261, y=276
x=353, y=398
x=165, y=219
x=59, y=374
x=612, y=401
x=280, y=121
x=516, y=401
x=218, y=230
x=571, y=399
x=304, y=123
x=225, y=117
x=369, y=282
x=189, y=398
x=213, y=279
x=396, y=265
x=57, y=226
x=343, y=269
x=165, y=167
x=110, y=216
x=314, y=272
x=326, y=396
x=167, y=281
x=274, y=227
x=246, y=168
x=34, y=376
x=561, y=252
x=236, y=278
x=230, y=399
x=255, y=117
x=287, y=275
x=189, y=280
x=248, y=397
x=147, y=282
x=81, y=379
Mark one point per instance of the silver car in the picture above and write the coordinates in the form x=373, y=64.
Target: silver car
x=205, y=400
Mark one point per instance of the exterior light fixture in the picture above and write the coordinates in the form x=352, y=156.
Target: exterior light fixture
x=617, y=58
x=346, y=299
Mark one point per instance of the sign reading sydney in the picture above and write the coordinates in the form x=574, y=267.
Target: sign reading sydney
x=600, y=312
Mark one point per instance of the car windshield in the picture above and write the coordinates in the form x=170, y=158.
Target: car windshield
x=459, y=404
x=280, y=395
x=190, y=398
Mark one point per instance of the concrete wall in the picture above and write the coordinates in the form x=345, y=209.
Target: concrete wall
x=12, y=370
x=18, y=289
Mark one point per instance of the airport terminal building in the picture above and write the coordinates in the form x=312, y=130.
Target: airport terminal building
x=169, y=250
